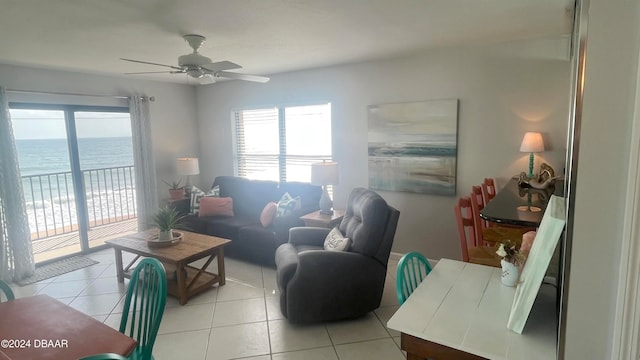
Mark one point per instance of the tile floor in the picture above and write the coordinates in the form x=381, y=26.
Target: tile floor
x=240, y=320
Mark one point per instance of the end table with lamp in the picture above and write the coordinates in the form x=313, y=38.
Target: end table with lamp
x=317, y=219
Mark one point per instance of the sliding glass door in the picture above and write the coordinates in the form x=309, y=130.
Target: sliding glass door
x=76, y=164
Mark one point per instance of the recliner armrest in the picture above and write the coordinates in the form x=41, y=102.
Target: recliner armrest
x=308, y=235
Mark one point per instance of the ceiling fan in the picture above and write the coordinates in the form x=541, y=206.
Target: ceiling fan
x=200, y=67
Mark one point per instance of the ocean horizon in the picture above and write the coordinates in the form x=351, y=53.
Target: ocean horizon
x=48, y=189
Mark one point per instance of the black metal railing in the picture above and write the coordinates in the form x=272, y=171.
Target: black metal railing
x=52, y=203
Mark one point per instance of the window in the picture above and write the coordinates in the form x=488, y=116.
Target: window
x=281, y=143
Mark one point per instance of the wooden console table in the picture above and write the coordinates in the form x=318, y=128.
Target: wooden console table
x=460, y=311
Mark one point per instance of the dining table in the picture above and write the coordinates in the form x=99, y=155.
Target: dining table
x=460, y=311
x=42, y=328
x=520, y=206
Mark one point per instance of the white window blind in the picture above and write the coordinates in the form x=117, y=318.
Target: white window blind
x=281, y=143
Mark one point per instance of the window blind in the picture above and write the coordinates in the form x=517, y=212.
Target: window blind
x=281, y=143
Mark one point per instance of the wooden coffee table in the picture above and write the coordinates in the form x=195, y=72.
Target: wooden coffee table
x=183, y=280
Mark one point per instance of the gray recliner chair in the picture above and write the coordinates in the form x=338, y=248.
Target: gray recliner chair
x=321, y=285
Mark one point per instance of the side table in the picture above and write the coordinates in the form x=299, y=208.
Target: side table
x=315, y=219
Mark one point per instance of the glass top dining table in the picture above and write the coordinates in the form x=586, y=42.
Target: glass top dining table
x=514, y=205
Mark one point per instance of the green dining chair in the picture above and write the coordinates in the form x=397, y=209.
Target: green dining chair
x=412, y=268
x=144, y=306
x=105, y=356
x=6, y=289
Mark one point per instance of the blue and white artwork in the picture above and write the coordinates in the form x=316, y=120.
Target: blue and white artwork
x=413, y=146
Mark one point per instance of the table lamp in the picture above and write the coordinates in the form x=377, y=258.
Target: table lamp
x=324, y=174
x=532, y=143
x=186, y=167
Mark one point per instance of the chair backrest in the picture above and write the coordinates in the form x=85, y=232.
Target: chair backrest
x=105, y=356
x=477, y=204
x=6, y=289
x=488, y=189
x=370, y=223
x=466, y=226
x=146, y=298
x=412, y=268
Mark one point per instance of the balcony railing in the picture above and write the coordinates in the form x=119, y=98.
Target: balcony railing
x=52, y=205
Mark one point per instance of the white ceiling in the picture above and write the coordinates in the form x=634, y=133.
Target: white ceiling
x=264, y=36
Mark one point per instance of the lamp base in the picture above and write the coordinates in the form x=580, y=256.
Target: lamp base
x=326, y=204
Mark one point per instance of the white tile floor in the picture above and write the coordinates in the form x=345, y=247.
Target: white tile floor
x=240, y=320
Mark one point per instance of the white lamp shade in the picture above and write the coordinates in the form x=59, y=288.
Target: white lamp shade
x=324, y=173
x=532, y=142
x=188, y=166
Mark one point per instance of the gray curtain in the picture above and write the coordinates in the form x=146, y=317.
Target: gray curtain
x=145, y=169
x=16, y=252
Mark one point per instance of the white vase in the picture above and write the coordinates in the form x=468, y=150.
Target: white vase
x=165, y=235
x=510, y=273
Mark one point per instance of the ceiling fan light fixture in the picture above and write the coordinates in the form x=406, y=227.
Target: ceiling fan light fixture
x=195, y=72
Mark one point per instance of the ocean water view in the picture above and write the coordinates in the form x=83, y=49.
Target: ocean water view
x=108, y=179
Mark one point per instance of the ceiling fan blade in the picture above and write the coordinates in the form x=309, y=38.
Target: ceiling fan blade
x=150, y=72
x=232, y=75
x=150, y=63
x=221, y=65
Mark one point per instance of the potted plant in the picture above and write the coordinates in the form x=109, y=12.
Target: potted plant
x=167, y=219
x=176, y=190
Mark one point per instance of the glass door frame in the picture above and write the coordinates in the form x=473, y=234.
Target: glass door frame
x=74, y=159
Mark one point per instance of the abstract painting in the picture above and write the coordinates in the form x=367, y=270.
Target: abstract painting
x=413, y=146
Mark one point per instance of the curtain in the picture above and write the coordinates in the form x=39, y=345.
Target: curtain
x=16, y=255
x=145, y=170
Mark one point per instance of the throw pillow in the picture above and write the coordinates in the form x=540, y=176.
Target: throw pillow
x=268, y=214
x=216, y=206
x=335, y=241
x=197, y=195
x=288, y=204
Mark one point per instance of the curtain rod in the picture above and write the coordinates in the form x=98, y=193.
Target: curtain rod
x=150, y=98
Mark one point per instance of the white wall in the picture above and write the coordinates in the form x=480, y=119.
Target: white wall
x=173, y=114
x=501, y=97
x=609, y=94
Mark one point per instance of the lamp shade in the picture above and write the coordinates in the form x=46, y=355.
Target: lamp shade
x=532, y=142
x=188, y=166
x=324, y=173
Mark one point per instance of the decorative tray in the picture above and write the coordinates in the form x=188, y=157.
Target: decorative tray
x=156, y=243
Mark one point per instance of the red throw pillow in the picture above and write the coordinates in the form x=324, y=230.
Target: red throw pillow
x=215, y=206
x=268, y=214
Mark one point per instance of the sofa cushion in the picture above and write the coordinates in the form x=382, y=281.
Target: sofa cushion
x=216, y=206
x=226, y=227
x=309, y=194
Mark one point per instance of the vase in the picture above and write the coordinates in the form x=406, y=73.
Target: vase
x=165, y=235
x=176, y=194
x=510, y=273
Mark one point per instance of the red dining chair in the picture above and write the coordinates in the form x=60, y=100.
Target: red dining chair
x=472, y=251
x=486, y=234
x=488, y=189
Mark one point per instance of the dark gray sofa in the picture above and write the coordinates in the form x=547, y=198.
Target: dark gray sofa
x=250, y=240
x=320, y=285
